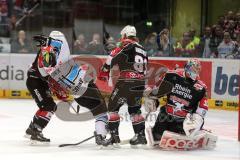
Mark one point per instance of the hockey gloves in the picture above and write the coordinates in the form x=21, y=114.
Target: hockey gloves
x=192, y=124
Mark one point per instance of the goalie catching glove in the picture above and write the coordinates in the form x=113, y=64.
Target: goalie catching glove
x=192, y=124
x=150, y=104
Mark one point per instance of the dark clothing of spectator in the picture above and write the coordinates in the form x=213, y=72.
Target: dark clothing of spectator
x=17, y=47
x=204, y=47
x=96, y=49
x=214, y=43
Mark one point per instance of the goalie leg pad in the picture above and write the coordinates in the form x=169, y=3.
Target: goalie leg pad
x=175, y=141
x=150, y=138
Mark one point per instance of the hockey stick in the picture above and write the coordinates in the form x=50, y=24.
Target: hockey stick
x=75, y=144
x=26, y=14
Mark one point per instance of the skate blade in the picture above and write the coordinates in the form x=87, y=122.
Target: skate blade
x=125, y=141
x=140, y=146
x=117, y=145
x=109, y=147
x=27, y=136
x=38, y=143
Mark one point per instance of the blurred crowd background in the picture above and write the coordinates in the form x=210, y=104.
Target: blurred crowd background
x=173, y=28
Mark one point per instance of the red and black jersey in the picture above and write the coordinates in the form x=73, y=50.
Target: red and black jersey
x=33, y=70
x=131, y=59
x=187, y=96
x=44, y=60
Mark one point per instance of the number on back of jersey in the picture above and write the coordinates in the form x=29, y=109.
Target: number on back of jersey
x=140, y=64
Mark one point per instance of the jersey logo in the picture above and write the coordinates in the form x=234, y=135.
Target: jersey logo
x=178, y=106
x=176, y=110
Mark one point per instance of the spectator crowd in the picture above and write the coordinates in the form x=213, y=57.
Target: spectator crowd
x=221, y=40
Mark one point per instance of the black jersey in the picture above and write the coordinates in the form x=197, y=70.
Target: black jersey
x=187, y=96
x=33, y=70
x=131, y=58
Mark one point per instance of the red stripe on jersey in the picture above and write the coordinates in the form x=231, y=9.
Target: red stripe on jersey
x=115, y=51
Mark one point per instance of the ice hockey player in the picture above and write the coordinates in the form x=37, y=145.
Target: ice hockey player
x=131, y=59
x=180, y=121
x=41, y=86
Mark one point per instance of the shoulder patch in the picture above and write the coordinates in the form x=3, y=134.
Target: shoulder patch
x=179, y=72
x=199, y=85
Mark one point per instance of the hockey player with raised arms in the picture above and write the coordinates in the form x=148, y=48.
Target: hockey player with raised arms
x=131, y=58
x=182, y=117
x=53, y=53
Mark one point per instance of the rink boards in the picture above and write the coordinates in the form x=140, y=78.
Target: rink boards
x=220, y=76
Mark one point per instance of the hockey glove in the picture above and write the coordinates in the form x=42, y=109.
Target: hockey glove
x=150, y=104
x=192, y=124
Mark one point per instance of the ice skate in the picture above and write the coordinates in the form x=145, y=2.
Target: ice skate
x=139, y=138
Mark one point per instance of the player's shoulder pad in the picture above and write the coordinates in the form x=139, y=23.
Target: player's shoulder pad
x=179, y=72
x=115, y=51
x=199, y=85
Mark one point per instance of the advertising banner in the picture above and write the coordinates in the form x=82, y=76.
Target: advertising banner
x=13, y=70
x=220, y=76
x=225, y=79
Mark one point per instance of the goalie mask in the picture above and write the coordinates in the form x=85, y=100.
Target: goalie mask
x=192, y=68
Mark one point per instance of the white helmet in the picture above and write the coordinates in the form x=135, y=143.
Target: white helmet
x=128, y=31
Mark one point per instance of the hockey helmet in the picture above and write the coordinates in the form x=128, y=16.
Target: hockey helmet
x=192, y=68
x=128, y=31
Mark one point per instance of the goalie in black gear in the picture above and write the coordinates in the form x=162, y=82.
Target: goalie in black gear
x=186, y=104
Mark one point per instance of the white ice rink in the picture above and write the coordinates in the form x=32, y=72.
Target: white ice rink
x=15, y=116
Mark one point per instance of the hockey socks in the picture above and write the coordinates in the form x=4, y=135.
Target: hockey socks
x=101, y=124
x=138, y=123
x=113, y=124
x=41, y=119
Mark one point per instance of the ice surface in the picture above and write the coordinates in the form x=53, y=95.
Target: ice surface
x=15, y=116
